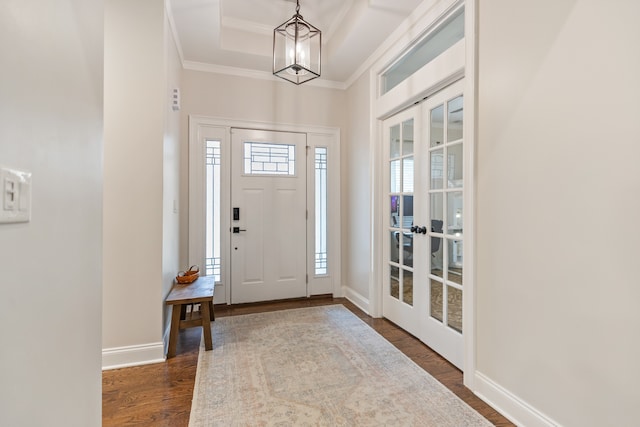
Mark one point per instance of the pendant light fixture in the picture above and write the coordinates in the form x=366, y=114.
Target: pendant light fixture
x=297, y=49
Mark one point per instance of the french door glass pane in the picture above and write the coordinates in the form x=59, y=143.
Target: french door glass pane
x=394, y=246
x=395, y=211
x=394, y=280
x=454, y=267
x=436, y=299
x=454, y=213
x=437, y=169
x=436, y=208
x=437, y=126
x=407, y=249
x=407, y=175
x=436, y=256
x=395, y=176
x=454, y=166
x=407, y=212
x=454, y=119
x=454, y=308
x=407, y=137
x=394, y=141
x=407, y=286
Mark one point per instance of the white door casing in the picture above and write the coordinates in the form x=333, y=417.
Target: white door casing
x=203, y=129
x=422, y=217
x=268, y=242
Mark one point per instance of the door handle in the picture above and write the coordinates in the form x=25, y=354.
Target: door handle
x=238, y=229
x=418, y=229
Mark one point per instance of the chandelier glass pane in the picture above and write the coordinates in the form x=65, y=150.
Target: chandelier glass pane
x=297, y=50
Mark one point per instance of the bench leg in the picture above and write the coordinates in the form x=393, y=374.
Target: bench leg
x=175, y=327
x=206, y=325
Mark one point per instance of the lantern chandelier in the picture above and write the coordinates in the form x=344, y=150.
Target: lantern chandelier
x=296, y=50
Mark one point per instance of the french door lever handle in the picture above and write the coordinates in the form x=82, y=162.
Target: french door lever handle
x=238, y=229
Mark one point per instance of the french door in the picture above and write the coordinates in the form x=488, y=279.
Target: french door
x=268, y=224
x=423, y=220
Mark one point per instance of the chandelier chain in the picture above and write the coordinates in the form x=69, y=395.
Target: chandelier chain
x=297, y=7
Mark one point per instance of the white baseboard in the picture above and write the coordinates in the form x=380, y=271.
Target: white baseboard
x=512, y=407
x=361, y=302
x=134, y=355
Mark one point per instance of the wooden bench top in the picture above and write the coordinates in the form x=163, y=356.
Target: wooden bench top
x=199, y=291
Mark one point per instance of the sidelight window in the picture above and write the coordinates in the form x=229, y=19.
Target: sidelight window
x=212, y=224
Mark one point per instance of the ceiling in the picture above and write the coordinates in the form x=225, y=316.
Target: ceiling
x=237, y=35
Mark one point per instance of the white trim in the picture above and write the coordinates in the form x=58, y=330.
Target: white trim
x=376, y=207
x=330, y=283
x=255, y=74
x=469, y=196
x=198, y=131
x=356, y=298
x=444, y=70
x=198, y=125
x=133, y=355
x=512, y=407
x=407, y=32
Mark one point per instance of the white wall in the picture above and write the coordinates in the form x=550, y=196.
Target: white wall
x=241, y=98
x=356, y=194
x=51, y=125
x=135, y=142
x=171, y=174
x=558, y=190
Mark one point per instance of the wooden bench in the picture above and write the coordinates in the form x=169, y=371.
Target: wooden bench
x=180, y=296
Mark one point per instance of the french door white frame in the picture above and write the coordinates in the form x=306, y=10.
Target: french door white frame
x=202, y=128
x=456, y=63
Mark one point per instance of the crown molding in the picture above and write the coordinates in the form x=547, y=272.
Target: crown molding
x=255, y=74
x=174, y=30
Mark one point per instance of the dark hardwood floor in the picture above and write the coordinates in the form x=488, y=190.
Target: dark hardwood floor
x=160, y=394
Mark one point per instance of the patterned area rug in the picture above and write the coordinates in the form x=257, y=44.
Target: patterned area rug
x=319, y=366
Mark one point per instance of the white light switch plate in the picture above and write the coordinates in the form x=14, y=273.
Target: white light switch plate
x=15, y=200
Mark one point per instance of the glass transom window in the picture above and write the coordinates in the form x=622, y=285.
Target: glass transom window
x=448, y=33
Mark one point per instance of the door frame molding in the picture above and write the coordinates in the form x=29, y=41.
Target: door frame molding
x=460, y=61
x=201, y=127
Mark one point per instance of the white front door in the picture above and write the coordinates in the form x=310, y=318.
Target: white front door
x=423, y=222
x=268, y=222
